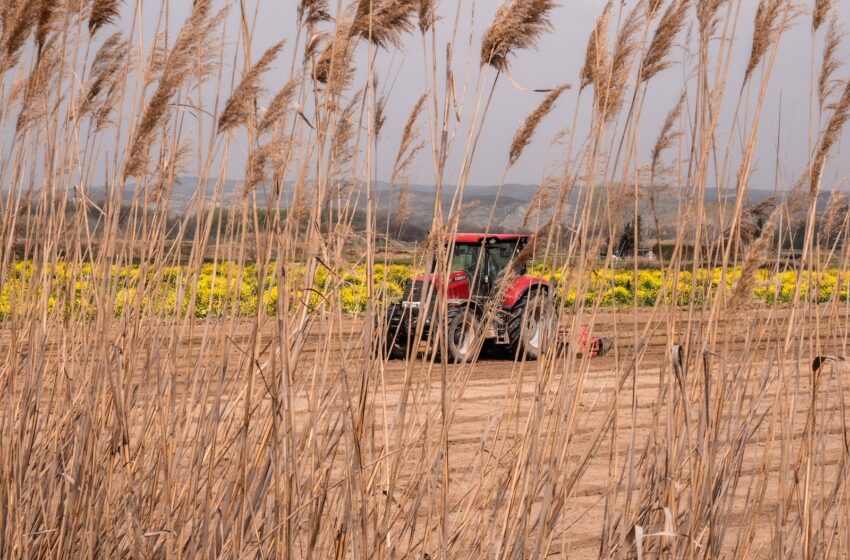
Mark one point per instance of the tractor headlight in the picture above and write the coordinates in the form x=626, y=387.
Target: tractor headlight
x=410, y=304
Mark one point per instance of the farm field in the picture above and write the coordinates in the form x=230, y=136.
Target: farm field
x=183, y=376
x=249, y=253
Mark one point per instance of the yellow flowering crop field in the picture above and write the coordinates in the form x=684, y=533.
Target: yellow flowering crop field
x=225, y=289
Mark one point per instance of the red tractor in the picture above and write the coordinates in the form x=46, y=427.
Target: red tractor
x=483, y=269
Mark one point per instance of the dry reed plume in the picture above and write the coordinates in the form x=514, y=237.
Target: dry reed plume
x=278, y=106
x=666, y=135
x=764, y=32
x=333, y=66
x=312, y=12
x=708, y=16
x=240, y=106
x=22, y=18
x=384, y=22
x=611, y=88
x=189, y=45
x=105, y=79
x=426, y=14
x=671, y=23
x=404, y=155
x=516, y=25
x=834, y=220
x=821, y=9
x=838, y=118
x=596, y=53
x=525, y=132
x=827, y=85
x=103, y=12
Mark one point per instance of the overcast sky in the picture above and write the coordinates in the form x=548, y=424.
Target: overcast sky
x=558, y=60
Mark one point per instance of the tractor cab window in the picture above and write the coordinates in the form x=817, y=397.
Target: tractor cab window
x=465, y=258
x=500, y=256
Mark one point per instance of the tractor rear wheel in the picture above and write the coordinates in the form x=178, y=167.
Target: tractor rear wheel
x=530, y=329
x=464, y=330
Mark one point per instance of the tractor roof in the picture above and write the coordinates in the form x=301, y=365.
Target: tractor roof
x=479, y=237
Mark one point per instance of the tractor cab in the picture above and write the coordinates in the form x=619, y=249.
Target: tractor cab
x=479, y=261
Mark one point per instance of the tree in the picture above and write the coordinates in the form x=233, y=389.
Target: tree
x=627, y=243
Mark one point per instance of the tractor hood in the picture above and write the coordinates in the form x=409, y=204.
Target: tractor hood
x=458, y=286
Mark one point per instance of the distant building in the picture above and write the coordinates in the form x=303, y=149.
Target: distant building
x=646, y=253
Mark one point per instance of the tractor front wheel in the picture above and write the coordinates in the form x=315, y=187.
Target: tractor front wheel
x=464, y=328
x=532, y=325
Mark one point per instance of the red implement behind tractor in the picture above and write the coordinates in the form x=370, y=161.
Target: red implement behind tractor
x=491, y=301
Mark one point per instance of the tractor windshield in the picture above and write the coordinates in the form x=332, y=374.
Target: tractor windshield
x=501, y=254
x=465, y=258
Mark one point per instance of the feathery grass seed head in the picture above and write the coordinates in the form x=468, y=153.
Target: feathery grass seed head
x=278, y=106
x=517, y=24
x=596, y=53
x=829, y=62
x=239, y=108
x=764, y=33
x=525, y=132
x=103, y=12
x=822, y=8
x=671, y=23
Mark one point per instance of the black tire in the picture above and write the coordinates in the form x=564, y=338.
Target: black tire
x=530, y=328
x=394, y=346
x=464, y=335
x=395, y=350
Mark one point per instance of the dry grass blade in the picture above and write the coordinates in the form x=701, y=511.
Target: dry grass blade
x=764, y=33
x=277, y=108
x=671, y=23
x=829, y=62
x=240, y=107
x=525, y=132
x=596, y=53
x=517, y=24
x=821, y=9
x=103, y=12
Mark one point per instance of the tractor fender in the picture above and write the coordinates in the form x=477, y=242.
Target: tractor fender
x=520, y=287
